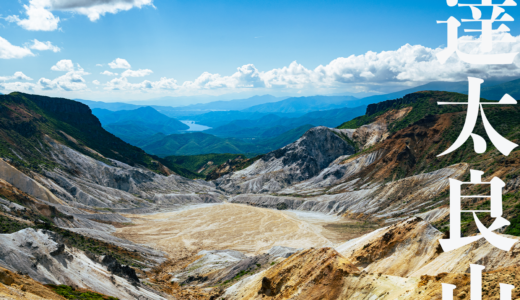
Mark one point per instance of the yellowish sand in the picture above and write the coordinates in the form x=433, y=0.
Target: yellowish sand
x=238, y=227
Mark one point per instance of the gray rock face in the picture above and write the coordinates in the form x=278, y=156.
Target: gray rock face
x=280, y=251
x=355, y=197
x=219, y=266
x=11, y=206
x=38, y=255
x=85, y=182
x=293, y=163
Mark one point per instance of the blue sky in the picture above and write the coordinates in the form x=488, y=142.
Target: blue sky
x=169, y=44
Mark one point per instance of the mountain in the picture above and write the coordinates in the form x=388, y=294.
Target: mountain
x=27, y=120
x=112, y=106
x=145, y=115
x=239, y=104
x=207, y=103
x=205, y=163
x=298, y=161
x=134, y=125
x=194, y=144
x=218, y=118
x=457, y=87
x=202, y=143
x=269, y=125
x=496, y=92
x=303, y=105
x=368, y=203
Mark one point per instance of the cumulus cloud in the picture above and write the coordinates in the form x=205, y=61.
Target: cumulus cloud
x=72, y=81
x=108, y=73
x=99, y=65
x=9, y=51
x=44, y=46
x=18, y=86
x=64, y=65
x=122, y=84
x=246, y=76
x=408, y=65
x=39, y=14
x=119, y=63
x=138, y=73
x=16, y=76
x=38, y=17
x=96, y=82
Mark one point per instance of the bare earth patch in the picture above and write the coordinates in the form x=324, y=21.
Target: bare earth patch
x=248, y=229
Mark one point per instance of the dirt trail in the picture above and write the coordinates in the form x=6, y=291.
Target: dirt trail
x=244, y=228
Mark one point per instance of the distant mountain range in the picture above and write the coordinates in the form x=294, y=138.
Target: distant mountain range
x=456, y=87
x=169, y=106
x=202, y=143
x=135, y=125
x=271, y=124
x=113, y=106
x=250, y=125
x=496, y=92
x=303, y=105
x=231, y=104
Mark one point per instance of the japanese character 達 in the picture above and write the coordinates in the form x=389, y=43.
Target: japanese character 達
x=487, y=33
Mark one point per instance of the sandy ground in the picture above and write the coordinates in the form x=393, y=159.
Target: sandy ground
x=244, y=228
x=248, y=229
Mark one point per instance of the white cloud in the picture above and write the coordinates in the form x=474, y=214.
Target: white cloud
x=64, y=65
x=16, y=76
x=18, y=86
x=99, y=65
x=9, y=51
x=108, y=73
x=44, y=46
x=119, y=63
x=72, y=81
x=408, y=65
x=247, y=76
x=138, y=73
x=94, y=9
x=96, y=82
x=122, y=84
x=40, y=16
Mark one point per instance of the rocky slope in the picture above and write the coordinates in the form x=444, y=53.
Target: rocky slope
x=403, y=261
x=296, y=162
x=38, y=255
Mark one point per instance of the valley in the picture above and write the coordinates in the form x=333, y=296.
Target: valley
x=351, y=211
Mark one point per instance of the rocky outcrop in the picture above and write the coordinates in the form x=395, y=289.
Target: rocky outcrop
x=38, y=255
x=296, y=162
x=398, y=250
x=88, y=183
x=310, y=274
x=116, y=268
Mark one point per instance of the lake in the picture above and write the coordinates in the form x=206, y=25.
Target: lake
x=194, y=126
